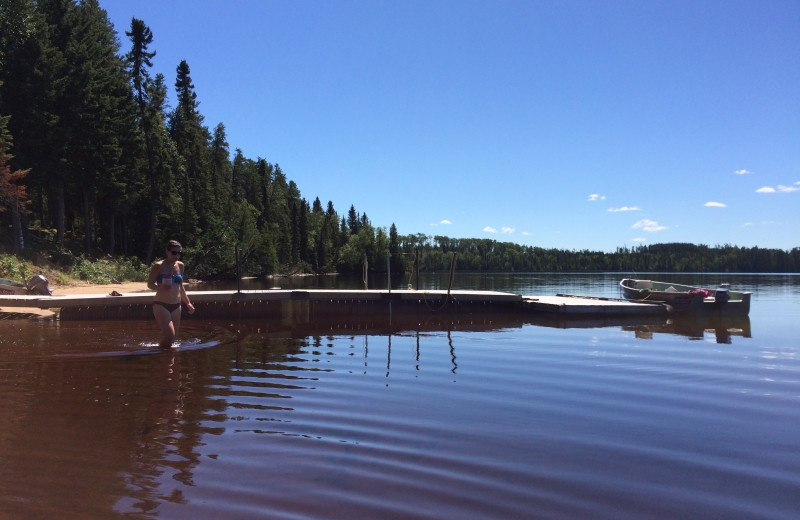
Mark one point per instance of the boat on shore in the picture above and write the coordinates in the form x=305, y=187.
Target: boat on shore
x=683, y=298
x=36, y=285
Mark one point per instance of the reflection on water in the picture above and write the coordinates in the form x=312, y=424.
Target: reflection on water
x=70, y=429
x=723, y=329
x=405, y=417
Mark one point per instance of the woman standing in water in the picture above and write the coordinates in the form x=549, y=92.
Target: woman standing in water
x=166, y=278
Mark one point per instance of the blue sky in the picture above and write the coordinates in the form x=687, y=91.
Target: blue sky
x=568, y=124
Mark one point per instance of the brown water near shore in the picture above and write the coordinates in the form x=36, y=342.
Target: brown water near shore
x=447, y=417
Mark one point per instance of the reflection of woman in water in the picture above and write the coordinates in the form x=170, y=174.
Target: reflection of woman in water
x=166, y=278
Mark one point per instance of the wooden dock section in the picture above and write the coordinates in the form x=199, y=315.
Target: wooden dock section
x=573, y=305
x=310, y=304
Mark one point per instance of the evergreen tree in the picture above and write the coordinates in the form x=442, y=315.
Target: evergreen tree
x=169, y=167
x=352, y=220
x=280, y=217
x=396, y=261
x=33, y=39
x=296, y=209
x=264, y=172
x=221, y=171
x=149, y=103
x=303, y=232
x=191, y=139
x=13, y=194
x=326, y=244
x=99, y=117
x=238, y=176
x=316, y=221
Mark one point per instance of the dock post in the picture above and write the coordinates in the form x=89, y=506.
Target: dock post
x=366, y=273
x=389, y=276
x=238, y=273
x=416, y=263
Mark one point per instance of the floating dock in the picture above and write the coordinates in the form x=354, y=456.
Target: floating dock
x=310, y=304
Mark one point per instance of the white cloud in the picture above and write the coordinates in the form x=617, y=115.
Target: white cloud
x=780, y=189
x=624, y=208
x=489, y=229
x=640, y=239
x=651, y=226
x=445, y=222
x=527, y=233
x=743, y=172
x=507, y=230
x=747, y=224
x=712, y=204
x=594, y=196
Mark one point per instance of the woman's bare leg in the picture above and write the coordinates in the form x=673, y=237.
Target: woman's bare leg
x=165, y=321
x=176, y=321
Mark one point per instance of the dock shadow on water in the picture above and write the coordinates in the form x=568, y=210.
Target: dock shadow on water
x=428, y=416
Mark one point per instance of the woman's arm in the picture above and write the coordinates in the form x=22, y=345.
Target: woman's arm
x=184, y=296
x=151, y=279
x=185, y=300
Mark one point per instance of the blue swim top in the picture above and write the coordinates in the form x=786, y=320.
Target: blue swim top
x=176, y=278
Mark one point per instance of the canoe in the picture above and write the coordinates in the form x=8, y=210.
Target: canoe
x=721, y=301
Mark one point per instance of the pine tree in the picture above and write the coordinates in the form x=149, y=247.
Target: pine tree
x=33, y=37
x=221, y=170
x=353, y=223
x=149, y=104
x=280, y=217
x=192, y=141
x=99, y=117
x=264, y=172
x=396, y=260
x=13, y=195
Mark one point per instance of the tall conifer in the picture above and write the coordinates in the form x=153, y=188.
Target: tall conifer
x=192, y=141
x=100, y=121
x=149, y=101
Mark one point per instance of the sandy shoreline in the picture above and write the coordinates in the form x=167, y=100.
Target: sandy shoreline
x=127, y=287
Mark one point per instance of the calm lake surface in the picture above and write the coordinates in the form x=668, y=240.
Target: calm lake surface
x=447, y=417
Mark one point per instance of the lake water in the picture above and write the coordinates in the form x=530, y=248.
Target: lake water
x=454, y=417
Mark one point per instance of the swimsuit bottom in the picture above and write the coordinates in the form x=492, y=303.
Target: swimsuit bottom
x=171, y=307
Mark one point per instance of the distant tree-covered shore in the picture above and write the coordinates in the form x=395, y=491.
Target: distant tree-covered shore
x=435, y=253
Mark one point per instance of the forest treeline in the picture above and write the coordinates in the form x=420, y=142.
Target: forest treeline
x=97, y=163
x=437, y=253
x=94, y=162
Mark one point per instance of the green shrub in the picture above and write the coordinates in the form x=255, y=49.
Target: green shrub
x=108, y=270
x=67, y=268
x=12, y=268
